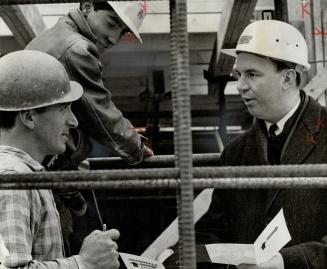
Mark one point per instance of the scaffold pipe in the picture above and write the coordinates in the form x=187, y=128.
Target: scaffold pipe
x=314, y=175
x=207, y=159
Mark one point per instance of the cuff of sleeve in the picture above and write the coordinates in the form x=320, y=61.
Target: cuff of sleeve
x=294, y=257
x=79, y=263
x=138, y=157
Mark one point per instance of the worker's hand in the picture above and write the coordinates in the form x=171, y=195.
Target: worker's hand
x=275, y=262
x=147, y=152
x=99, y=250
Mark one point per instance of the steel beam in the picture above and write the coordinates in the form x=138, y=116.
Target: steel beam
x=25, y=22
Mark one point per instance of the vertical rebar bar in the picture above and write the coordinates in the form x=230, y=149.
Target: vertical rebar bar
x=180, y=86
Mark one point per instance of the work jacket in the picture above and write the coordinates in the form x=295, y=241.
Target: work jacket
x=239, y=216
x=72, y=42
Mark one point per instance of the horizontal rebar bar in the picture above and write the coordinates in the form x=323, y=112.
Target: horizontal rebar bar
x=220, y=177
x=172, y=184
x=207, y=159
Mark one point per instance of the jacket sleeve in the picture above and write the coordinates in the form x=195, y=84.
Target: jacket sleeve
x=306, y=255
x=97, y=114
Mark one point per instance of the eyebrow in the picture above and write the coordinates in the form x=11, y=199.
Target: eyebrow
x=248, y=70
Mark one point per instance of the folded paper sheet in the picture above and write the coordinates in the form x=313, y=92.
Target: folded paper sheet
x=270, y=241
x=132, y=261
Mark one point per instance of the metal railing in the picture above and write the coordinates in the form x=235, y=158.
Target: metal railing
x=282, y=176
x=159, y=161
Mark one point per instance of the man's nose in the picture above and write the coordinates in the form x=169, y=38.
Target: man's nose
x=115, y=37
x=72, y=120
x=242, y=84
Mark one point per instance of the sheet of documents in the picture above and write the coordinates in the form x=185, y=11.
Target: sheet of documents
x=270, y=241
x=3, y=252
x=138, y=262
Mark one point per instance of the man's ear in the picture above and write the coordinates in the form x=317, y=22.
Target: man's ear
x=289, y=78
x=87, y=7
x=27, y=119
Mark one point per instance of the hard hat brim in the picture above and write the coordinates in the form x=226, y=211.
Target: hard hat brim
x=75, y=93
x=234, y=52
x=125, y=19
x=230, y=52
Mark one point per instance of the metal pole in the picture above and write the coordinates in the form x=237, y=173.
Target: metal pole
x=24, y=2
x=180, y=78
x=171, y=184
x=130, y=175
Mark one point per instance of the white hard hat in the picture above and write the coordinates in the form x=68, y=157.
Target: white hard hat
x=131, y=13
x=274, y=39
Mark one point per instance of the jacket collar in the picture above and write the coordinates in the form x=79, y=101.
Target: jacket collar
x=23, y=156
x=80, y=22
x=304, y=131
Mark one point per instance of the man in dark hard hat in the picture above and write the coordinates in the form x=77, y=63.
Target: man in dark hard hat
x=289, y=128
x=77, y=41
x=35, y=119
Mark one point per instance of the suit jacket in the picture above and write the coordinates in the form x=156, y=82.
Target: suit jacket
x=239, y=216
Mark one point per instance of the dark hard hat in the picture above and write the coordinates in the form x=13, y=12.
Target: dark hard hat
x=31, y=79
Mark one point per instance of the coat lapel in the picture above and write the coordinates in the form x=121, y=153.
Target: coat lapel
x=303, y=136
x=301, y=140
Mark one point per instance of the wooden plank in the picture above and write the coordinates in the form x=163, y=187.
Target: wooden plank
x=159, y=23
x=150, y=58
x=8, y=44
x=318, y=85
x=25, y=22
x=160, y=42
x=152, y=7
x=237, y=17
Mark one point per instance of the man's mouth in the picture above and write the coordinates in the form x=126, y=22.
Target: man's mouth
x=248, y=100
x=66, y=135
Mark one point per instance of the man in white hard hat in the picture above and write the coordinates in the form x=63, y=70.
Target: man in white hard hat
x=290, y=128
x=76, y=41
x=35, y=119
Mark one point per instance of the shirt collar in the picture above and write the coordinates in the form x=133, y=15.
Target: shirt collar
x=27, y=159
x=281, y=123
x=77, y=16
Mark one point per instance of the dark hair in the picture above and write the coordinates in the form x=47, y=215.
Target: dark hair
x=8, y=118
x=97, y=5
x=280, y=65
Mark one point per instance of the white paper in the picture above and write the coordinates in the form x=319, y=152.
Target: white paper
x=231, y=253
x=138, y=262
x=3, y=252
x=270, y=241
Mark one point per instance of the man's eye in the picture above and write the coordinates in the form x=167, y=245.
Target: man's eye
x=252, y=75
x=64, y=108
x=111, y=24
x=236, y=74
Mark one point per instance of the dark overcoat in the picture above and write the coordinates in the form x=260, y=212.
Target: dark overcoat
x=239, y=216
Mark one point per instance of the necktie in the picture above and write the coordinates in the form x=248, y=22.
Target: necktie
x=273, y=156
x=272, y=130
